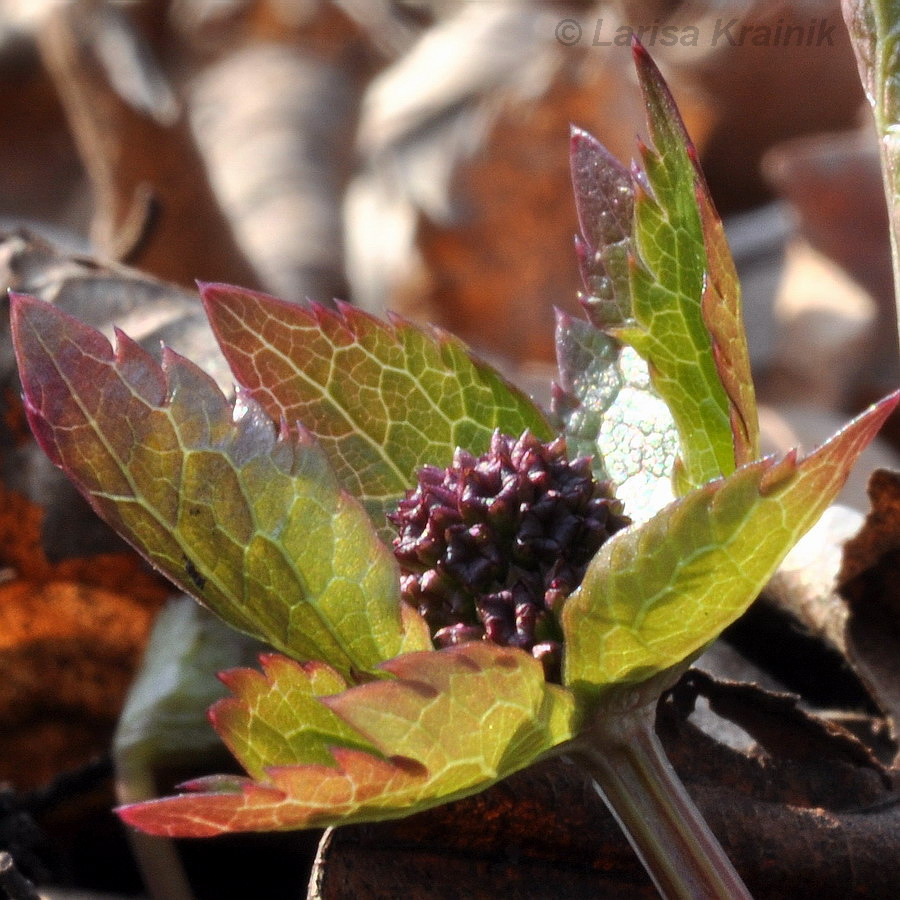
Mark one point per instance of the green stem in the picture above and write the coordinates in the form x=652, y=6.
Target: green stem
x=157, y=858
x=638, y=784
x=885, y=108
x=874, y=27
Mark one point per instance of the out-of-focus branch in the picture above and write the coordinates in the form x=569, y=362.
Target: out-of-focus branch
x=153, y=204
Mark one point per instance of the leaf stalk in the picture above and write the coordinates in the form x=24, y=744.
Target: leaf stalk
x=632, y=774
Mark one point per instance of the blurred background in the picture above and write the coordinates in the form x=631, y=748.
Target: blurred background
x=411, y=155
x=405, y=155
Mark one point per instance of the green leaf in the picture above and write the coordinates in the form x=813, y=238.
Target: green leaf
x=469, y=714
x=275, y=717
x=450, y=723
x=250, y=522
x=611, y=413
x=605, y=399
x=678, y=286
x=383, y=399
x=656, y=594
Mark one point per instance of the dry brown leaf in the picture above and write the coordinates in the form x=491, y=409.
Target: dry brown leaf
x=870, y=582
x=819, y=827
x=71, y=634
x=153, y=203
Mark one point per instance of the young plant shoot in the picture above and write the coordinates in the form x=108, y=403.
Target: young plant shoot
x=454, y=583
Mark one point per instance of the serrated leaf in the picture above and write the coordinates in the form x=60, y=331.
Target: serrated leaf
x=604, y=398
x=671, y=273
x=604, y=199
x=382, y=398
x=611, y=413
x=470, y=714
x=656, y=594
x=450, y=723
x=251, y=523
x=276, y=719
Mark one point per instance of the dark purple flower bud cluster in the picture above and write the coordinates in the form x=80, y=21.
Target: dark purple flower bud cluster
x=491, y=545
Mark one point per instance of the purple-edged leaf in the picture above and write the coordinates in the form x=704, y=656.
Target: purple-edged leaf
x=657, y=594
x=252, y=523
x=611, y=413
x=383, y=398
x=448, y=724
x=604, y=199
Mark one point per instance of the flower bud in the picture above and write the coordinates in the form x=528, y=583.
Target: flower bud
x=491, y=546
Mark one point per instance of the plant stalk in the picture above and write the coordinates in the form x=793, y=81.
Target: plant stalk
x=874, y=31
x=157, y=858
x=641, y=789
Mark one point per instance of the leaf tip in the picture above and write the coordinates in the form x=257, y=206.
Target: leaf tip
x=20, y=307
x=778, y=473
x=639, y=52
x=343, y=307
x=19, y=299
x=581, y=141
x=212, y=290
x=562, y=318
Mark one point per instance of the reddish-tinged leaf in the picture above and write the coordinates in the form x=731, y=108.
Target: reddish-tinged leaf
x=721, y=309
x=449, y=724
x=472, y=714
x=383, y=398
x=293, y=797
x=252, y=523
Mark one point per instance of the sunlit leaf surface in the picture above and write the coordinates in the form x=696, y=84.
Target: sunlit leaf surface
x=612, y=413
x=685, y=304
x=657, y=594
x=252, y=523
x=659, y=276
x=448, y=723
x=383, y=398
